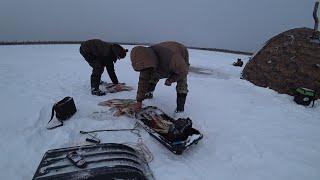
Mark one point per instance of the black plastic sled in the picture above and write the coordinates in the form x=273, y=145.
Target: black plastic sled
x=175, y=142
x=93, y=162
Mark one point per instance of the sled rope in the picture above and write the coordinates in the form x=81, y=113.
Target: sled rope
x=143, y=149
x=140, y=146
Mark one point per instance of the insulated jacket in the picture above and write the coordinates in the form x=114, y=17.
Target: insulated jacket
x=164, y=60
x=100, y=54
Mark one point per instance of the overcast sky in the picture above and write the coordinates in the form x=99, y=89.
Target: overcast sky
x=230, y=24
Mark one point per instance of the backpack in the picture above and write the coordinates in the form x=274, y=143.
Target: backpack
x=304, y=96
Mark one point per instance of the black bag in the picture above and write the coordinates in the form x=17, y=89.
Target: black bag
x=305, y=96
x=180, y=131
x=63, y=109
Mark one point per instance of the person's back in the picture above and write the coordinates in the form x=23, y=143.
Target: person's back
x=174, y=47
x=164, y=60
x=97, y=48
x=172, y=58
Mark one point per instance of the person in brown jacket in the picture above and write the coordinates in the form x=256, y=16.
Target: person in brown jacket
x=100, y=54
x=168, y=60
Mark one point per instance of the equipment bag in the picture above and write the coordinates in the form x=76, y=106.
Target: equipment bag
x=63, y=109
x=176, y=135
x=305, y=96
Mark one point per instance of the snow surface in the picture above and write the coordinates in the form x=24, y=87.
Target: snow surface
x=249, y=132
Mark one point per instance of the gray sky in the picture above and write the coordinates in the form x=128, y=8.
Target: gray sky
x=230, y=24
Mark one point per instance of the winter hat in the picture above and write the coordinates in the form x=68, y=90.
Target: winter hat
x=143, y=58
x=119, y=51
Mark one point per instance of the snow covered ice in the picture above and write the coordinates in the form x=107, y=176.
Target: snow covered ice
x=249, y=132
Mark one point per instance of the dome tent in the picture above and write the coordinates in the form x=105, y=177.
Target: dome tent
x=287, y=61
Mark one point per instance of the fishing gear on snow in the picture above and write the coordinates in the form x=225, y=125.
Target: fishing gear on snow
x=304, y=96
x=63, y=110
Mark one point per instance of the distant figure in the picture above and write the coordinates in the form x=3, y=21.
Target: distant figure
x=100, y=54
x=238, y=63
x=168, y=60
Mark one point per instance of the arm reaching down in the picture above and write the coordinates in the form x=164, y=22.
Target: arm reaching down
x=144, y=84
x=112, y=74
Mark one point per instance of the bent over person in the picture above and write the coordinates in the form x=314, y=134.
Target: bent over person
x=100, y=54
x=168, y=60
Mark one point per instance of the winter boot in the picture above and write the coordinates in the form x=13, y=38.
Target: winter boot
x=97, y=92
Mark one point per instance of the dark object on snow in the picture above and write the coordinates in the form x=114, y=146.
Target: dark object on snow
x=76, y=159
x=63, y=109
x=238, y=63
x=175, y=135
x=304, y=96
x=182, y=125
x=102, y=161
x=93, y=140
x=287, y=61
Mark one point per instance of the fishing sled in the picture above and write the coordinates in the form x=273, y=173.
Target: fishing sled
x=176, y=135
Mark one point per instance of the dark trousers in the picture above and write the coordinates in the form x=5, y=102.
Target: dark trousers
x=97, y=69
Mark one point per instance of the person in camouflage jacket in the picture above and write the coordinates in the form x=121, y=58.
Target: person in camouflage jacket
x=168, y=60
